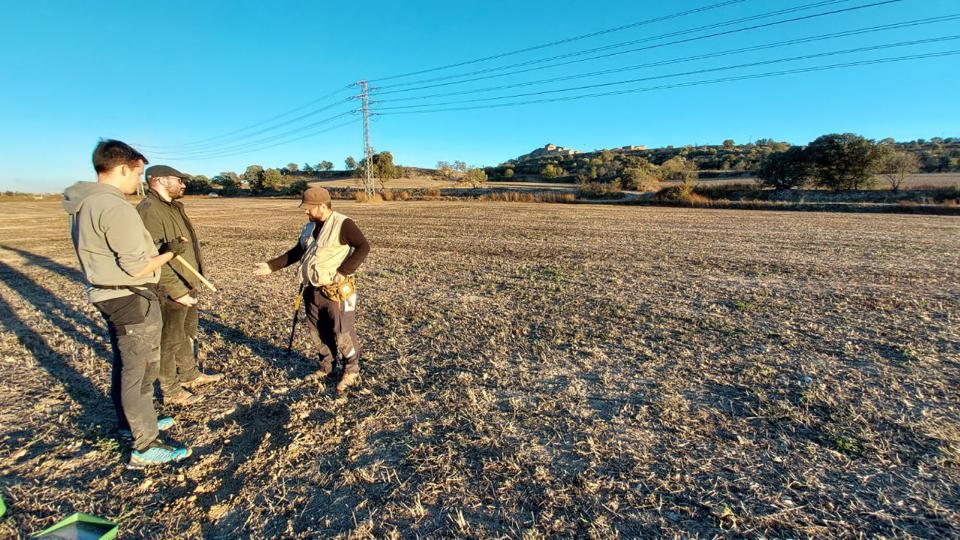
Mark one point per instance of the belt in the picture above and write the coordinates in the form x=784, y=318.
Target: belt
x=150, y=292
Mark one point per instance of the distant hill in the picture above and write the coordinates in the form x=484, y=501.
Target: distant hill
x=711, y=161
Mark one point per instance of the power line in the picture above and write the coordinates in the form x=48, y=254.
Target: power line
x=201, y=142
x=691, y=83
x=668, y=35
x=314, y=134
x=670, y=62
x=685, y=73
x=210, y=146
x=215, y=141
x=847, y=33
x=257, y=142
x=567, y=40
x=214, y=146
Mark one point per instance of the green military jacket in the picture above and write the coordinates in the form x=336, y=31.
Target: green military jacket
x=167, y=221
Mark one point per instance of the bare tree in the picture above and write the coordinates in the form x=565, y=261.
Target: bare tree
x=445, y=170
x=897, y=164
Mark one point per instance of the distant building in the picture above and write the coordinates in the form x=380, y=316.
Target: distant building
x=549, y=150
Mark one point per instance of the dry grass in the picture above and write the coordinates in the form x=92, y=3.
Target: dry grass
x=362, y=197
x=528, y=197
x=413, y=182
x=530, y=371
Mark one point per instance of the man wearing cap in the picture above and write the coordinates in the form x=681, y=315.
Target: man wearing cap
x=163, y=215
x=330, y=249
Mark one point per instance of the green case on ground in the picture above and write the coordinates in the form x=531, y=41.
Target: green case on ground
x=80, y=527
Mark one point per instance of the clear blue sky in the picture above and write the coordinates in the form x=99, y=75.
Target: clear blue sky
x=172, y=72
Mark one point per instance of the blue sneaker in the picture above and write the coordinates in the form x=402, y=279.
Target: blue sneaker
x=163, y=424
x=158, y=454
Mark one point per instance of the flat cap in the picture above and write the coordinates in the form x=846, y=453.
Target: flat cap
x=159, y=171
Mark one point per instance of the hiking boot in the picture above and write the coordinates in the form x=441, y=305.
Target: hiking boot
x=163, y=424
x=315, y=377
x=158, y=453
x=182, y=398
x=348, y=380
x=201, y=380
x=318, y=375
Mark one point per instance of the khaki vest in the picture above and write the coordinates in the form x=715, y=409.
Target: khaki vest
x=324, y=255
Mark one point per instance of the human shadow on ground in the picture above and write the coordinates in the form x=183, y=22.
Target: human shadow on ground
x=263, y=422
x=295, y=363
x=46, y=263
x=96, y=407
x=61, y=314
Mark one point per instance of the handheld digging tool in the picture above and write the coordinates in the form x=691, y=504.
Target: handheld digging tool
x=189, y=267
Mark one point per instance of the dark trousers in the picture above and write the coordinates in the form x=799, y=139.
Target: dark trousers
x=332, y=330
x=134, y=324
x=177, y=361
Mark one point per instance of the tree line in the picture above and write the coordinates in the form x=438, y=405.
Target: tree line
x=292, y=179
x=839, y=161
x=836, y=161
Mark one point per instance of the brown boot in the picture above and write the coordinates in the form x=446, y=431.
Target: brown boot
x=316, y=376
x=348, y=380
x=182, y=398
x=201, y=380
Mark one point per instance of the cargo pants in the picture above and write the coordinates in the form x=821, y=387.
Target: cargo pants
x=135, y=324
x=332, y=330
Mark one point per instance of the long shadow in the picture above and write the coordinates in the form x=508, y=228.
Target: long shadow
x=48, y=264
x=297, y=364
x=96, y=406
x=65, y=317
x=261, y=421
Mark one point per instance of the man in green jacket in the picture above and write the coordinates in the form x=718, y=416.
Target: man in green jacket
x=163, y=215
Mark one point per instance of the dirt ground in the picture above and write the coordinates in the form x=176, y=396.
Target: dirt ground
x=529, y=370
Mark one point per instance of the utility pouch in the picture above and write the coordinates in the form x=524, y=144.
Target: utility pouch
x=339, y=292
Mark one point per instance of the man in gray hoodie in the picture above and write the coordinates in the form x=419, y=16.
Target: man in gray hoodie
x=122, y=267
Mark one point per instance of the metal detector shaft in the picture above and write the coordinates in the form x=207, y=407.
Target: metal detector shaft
x=296, y=317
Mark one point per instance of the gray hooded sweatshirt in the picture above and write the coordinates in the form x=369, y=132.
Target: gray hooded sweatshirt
x=111, y=241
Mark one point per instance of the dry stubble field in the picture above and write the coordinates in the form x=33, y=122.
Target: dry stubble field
x=530, y=371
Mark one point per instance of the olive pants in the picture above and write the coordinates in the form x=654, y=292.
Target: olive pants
x=177, y=361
